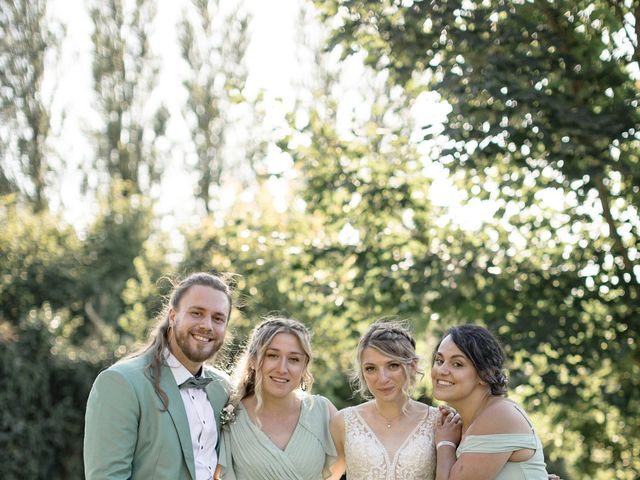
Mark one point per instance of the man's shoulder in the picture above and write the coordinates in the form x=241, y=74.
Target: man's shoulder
x=218, y=375
x=122, y=379
x=131, y=366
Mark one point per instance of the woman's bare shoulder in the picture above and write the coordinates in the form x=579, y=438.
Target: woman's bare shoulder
x=501, y=416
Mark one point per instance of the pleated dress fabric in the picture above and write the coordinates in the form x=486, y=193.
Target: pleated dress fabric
x=247, y=453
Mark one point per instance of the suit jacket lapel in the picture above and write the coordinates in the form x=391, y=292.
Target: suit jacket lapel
x=217, y=395
x=179, y=416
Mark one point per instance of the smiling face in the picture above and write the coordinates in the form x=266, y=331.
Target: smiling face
x=386, y=377
x=453, y=375
x=283, y=365
x=198, y=325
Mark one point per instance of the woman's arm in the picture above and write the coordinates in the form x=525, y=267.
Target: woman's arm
x=336, y=426
x=477, y=466
x=447, y=439
x=499, y=418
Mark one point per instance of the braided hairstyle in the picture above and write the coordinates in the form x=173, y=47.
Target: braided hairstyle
x=485, y=353
x=247, y=374
x=393, y=339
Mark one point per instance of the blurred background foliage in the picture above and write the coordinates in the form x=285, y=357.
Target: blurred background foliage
x=539, y=139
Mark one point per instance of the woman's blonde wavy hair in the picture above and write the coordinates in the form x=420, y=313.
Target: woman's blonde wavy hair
x=247, y=374
x=392, y=339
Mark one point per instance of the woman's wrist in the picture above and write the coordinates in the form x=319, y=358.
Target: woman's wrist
x=446, y=443
x=455, y=439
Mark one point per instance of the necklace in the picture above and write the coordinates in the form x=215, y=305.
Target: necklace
x=388, y=420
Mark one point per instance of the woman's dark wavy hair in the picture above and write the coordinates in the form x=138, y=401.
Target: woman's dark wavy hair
x=159, y=338
x=485, y=352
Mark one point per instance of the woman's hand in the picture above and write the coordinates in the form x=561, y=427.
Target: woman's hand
x=448, y=426
x=446, y=410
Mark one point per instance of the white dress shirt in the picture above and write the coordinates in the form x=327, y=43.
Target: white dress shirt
x=202, y=423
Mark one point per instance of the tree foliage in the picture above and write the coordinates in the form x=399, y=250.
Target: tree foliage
x=124, y=73
x=113, y=245
x=69, y=306
x=214, y=40
x=543, y=127
x=44, y=395
x=43, y=403
x=25, y=42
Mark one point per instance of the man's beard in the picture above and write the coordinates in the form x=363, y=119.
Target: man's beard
x=186, y=343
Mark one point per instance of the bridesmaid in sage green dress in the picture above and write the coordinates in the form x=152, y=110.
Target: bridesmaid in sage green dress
x=497, y=439
x=274, y=429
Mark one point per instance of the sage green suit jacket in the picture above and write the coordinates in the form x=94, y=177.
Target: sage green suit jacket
x=128, y=432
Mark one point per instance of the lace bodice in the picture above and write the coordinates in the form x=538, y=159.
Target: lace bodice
x=367, y=459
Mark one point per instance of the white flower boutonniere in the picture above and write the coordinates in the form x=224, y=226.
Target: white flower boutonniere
x=227, y=415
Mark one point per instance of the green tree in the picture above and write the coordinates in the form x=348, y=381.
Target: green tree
x=143, y=293
x=120, y=247
x=26, y=41
x=373, y=251
x=128, y=166
x=41, y=262
x=43, y=405
x=214, y=40
x=46, y=379
x=538, y=85
x=543, y=123
x=124, y=73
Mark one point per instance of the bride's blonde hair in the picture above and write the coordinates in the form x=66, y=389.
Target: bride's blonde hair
x=392, y=339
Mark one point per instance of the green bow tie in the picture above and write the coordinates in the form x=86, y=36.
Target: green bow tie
x=194, y=382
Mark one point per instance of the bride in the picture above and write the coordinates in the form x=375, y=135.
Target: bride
x=391, y=436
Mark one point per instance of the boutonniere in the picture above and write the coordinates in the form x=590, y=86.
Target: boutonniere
x=227, y=415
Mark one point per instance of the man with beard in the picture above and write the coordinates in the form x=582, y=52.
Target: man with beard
x=156, y=414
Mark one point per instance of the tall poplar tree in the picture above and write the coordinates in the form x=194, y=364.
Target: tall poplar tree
x=214, y=37
x=26, y=38
x=125, y=72
x=127, y=165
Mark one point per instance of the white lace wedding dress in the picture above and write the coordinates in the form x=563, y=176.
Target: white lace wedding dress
x=367, y=459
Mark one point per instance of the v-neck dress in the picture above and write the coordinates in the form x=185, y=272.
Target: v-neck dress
x=247, y=453
x=367, y=458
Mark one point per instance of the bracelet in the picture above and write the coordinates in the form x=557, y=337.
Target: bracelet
x=442, y=443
